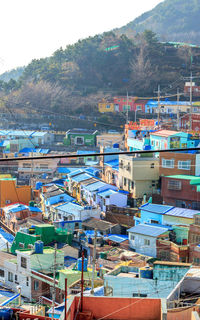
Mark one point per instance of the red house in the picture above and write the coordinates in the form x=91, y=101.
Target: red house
x=195, y=119
x=139, y=105
x=121, y=101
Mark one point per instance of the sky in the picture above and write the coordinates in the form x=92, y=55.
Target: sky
x=32, y=29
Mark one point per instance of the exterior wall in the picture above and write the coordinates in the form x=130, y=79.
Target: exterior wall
x=172, y=220
x=106, y=107
x=195, y=119
x=109, y=139
x=88, y=139
x=169, y=272
x=139, y=244
x=118, y=199
x=194, y=255
x=169, y=251
x=11, y=193
x=101, y=306
x=21, y=276
x=40, y=166
x=177, y=157
x=110, y=176
x=147, y=217
x=187, y=194
x=140, y=174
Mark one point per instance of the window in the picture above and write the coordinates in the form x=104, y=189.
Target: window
x=108, y=106
x=146, y=242
x=152, y=166
x=174, y=185
x=44, y=166
x=30, y=246
x=124, y=181
x=132, y=238
x=26, y=165
x=10, y=276
x=1, y=273
x=168, y=163
x=154, y=221
x=36, y=285
x=138, y=108
x=16, y=278
x=184, y=165
x=21, y=245
x=132, y=184
x=23, y=262
x=27, y=281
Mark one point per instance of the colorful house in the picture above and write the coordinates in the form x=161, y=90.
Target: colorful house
x=166, y=139
x=106, y=106
x=142, y=238
x=181, y=190
x=11, y=193
x=165, y=215
x=80, y=137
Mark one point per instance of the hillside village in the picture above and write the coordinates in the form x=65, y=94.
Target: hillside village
x=117, y=218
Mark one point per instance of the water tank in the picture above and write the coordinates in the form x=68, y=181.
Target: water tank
x=6, y=313
x=116, y=145
x=79, y=266
x=146, y=273
x=39, y=247
x=38, y=185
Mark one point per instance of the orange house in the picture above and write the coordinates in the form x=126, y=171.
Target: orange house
x=11, y=193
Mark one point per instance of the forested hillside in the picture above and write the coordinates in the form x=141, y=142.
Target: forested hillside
x=74, y=79
x=171, y=20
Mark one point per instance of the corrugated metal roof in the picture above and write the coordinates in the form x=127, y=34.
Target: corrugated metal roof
x=106, y=193
x=15, y=208
x=147, y=230
x=70, y=207
x=116, y=238
x=35, y=209
x=95, y=186
x=81, y=177
x=182, y=212
x=75, y=172
x=22, y=133
x=156, y=208
x=63, y=170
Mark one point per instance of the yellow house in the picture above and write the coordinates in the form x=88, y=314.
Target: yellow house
x=138, y=175
x=105, y=106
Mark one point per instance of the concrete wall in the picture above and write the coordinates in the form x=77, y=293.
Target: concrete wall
x=178, y=157
x=138, y=244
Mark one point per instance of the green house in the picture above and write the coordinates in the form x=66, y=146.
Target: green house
x=80, y=137
x=26, y=238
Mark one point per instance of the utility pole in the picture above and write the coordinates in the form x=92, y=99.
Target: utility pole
x=191, y=100
x=54, y=282
x=94, y=259
x=158, y=106
x=178, y=114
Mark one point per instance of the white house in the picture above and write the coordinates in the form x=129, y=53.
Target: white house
x=142, y=238
x=72, y=211
x=109, y=196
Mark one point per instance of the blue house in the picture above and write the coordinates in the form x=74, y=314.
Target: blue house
x=167, y=139
x=162, y=215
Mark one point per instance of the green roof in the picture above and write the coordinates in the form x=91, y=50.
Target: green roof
x=184, y=177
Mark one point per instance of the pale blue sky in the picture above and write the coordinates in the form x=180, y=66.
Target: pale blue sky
x=36, y=28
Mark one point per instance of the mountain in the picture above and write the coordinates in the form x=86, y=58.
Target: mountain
x=14, y=74
x=171, y=20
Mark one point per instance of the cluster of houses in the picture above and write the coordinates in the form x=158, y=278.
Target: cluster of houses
x=136, y=216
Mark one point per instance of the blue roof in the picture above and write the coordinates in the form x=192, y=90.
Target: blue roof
x=22, y=133
x=147, y=230
x=35, y=209
x=63, y=170
x=69, y=207
x=44, y=151
x=112, y=163
x=75, y=172
x=81, y=177
x=156, y=208
x=106, y=193
x=17, y=207
x=4, y=143
x=95, y=186
x=117, y=238
x=85, y=152
x=9, y=237
x=92, y=171
x=27, y=150
x=182, y=212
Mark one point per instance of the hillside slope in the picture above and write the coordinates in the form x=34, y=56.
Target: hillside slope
x=172, y=20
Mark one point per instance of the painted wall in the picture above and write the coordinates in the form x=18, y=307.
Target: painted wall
x=10, y=192
x=138, y=244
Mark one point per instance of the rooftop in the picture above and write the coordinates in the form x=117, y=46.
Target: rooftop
x=182, y=212
x=165, y=133
x=155, y=208
x=107, y=193
x=168, y=263
x=148, y=230
x=97, y=223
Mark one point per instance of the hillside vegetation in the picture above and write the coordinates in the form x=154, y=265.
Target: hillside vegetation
x=171, y=20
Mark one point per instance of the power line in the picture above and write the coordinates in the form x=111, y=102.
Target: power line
x=98, y=154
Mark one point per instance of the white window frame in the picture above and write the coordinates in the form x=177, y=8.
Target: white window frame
x=184, y=165
x=168, y=166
